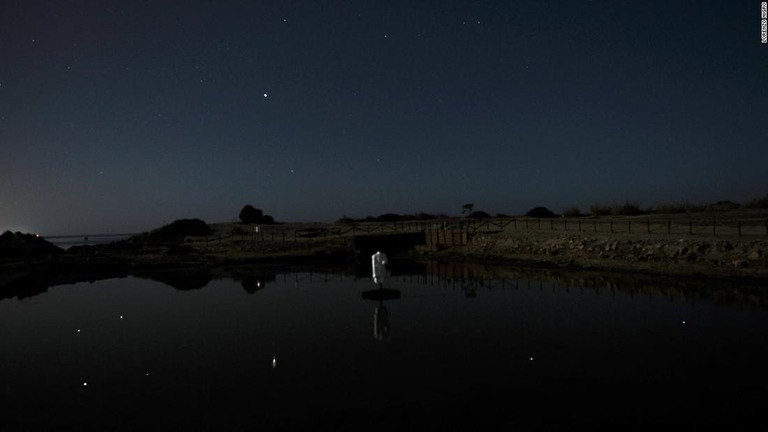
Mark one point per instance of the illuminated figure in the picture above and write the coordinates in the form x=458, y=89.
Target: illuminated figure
x=379, y=263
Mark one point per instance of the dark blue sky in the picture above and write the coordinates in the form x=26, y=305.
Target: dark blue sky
x=124, y=115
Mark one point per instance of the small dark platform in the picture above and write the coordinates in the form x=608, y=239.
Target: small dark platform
x=381, y=294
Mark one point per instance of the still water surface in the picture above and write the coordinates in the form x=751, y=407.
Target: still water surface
x=306, y=351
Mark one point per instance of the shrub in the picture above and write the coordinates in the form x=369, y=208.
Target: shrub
x=723, y=206
x=761, y=203
x=572, y=212
x=479, y=215
x=674, y=208
x=540, y=212
x=597, y=210
x=389, y=217
x=627, y=209
x=249, y=214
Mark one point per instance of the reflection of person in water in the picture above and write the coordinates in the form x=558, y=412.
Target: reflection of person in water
x=379, y=263
x=380, y=321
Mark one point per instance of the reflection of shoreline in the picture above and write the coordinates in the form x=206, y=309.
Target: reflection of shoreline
x=472, y=278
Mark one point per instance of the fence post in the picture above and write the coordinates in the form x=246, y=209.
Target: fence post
x=669, y=227
x=739, y=224
x=714, y=227
x=648, y=225
x=611, y=227
x=579, y=225
x=565, y=224
x=690, y=227
x=629, y=226
x=595, y=225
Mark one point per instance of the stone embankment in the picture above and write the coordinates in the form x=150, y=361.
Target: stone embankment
x=739, y=258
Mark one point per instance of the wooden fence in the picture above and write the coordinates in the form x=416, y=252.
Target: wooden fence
x=459, y=232
x=690, y=227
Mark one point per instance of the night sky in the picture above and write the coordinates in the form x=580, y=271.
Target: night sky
x=120, y=116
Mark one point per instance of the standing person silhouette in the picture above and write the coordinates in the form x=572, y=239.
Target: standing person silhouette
x=379, y=264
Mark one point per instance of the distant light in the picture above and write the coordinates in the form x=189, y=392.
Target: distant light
x=265, y=95
x=531, y=358
x=78, y=330
x=85, y=384
x=37, y=235
x=121, y=317
x=683, y=321
x=274, y=362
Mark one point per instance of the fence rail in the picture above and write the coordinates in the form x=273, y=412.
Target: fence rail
x=460, y=231
x=457, y=232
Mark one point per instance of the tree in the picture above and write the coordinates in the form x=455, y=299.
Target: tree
x=540, y=212
x=467, y=208
x=250, y=214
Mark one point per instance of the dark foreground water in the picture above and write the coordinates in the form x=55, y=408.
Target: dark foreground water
x=305, y=351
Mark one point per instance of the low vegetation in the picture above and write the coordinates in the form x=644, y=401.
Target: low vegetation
x=175, y=232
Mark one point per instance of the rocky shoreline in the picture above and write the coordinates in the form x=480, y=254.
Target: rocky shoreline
x=734, y=259
x=725, y=258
